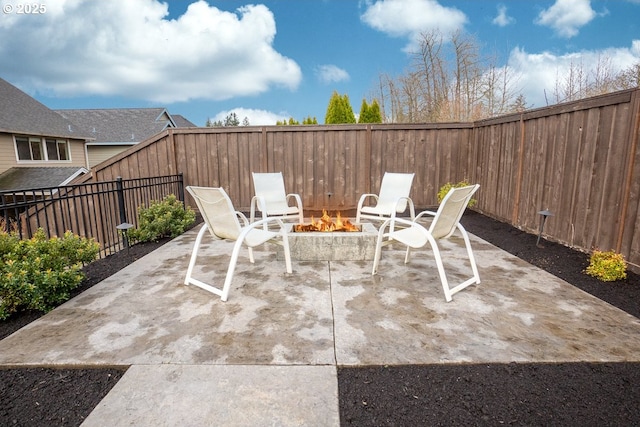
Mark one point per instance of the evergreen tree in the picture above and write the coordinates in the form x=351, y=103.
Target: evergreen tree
x=375, y=115
x=231, y=120
x=310, y=121
x=364, y=112
x=290, y=122
x=370, y=113
x=245, y=121
x=520, y=104
x=339, y=110
x=211, y=124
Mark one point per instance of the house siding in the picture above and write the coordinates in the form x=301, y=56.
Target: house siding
x=7, y=152
x=8, y=155
x=99, y=153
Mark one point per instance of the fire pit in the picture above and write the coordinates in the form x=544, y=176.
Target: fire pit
x=326, y=225
x=327, y=240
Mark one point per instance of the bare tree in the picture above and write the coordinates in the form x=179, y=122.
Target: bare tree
x=499, y=91
x=602, y=78
x=578, y=82
x=447, y=80
x=429, y=69
x=570, y=85
x=628, y=78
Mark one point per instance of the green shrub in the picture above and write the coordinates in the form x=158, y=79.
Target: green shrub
x=162, y=218
x=444, y=190
x=39, y=273
x=607, y=266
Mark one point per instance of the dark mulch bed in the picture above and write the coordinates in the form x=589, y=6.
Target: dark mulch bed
x=46, y=396
x=522, y=394
x=602, y=394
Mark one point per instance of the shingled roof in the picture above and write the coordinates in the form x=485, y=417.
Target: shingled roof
x=182, y=122
x=122, y=125
x=22, y=114
x=16, y=179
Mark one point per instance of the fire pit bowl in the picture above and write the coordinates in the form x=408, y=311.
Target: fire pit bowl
x=332, y=246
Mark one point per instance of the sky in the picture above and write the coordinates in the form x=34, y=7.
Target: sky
x=271, y=60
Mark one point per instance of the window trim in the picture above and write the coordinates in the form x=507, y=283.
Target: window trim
x=42, y=141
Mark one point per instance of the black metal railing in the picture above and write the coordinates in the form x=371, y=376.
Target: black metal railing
x=92, y=210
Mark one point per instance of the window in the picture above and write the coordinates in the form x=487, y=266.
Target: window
x=57, y=149
x=38, y=149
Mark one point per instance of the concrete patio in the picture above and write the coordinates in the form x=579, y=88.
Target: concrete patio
x=269, y=355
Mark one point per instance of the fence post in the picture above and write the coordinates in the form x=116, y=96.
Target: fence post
x=181, y=186
x=121, y=207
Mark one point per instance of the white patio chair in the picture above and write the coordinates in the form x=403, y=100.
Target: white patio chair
x=271, y=199
x=393, y=198
x=222, y=221
x=445, y=221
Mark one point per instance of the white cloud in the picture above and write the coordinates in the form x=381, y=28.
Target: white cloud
x=538, y=72
x=566, y=17
x=410, y=18
x=255, y=117
x=331, y=74
x=130, y=48
x=502, y=19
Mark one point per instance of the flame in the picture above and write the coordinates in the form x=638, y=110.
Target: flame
x=326, y=224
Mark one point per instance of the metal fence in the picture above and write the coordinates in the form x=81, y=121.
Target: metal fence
x=93, y=210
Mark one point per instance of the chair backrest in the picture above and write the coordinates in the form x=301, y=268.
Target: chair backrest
x=393, y=186
x=450, y=211
x=217, y=211
x=270, y=186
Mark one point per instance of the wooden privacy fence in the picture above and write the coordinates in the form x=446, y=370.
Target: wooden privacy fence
x=579, y=160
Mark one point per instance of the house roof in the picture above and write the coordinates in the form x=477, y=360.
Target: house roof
x=122, y=125
x=22, y=114
x=38, y=177
x=182, y=122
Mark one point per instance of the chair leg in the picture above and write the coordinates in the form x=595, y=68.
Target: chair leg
x=378, y=253
x=252, y=212
x=441, y=272
x=472, y=258
x=392, y=224
x=194, y=254
x=287, y=253
x=475, y=279
x=231, y=270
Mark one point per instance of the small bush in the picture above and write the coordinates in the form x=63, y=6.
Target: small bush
x=607, y=266
x=162, y=218
x=39, y=273
x=444, y=190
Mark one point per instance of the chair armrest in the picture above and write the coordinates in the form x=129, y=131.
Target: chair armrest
x=243, y=218
x=395, y=221
x=421, y=214
x=258, y=202
x=260, y=223
x=430, y=217
x=297, y=199
x=364, y=197
x=412, y=210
